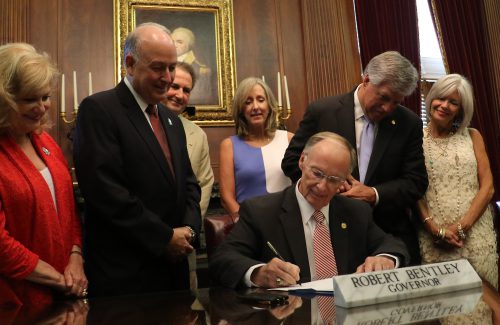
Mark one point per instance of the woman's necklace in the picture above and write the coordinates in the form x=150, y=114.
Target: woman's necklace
x=433, y=156
x=441, y=143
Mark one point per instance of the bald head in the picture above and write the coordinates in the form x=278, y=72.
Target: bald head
x=325, y=163
x=150, y=60
x=143, y=32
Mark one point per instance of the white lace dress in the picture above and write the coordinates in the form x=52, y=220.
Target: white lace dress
x=453, y=184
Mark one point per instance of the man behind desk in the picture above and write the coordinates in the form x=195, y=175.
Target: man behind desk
x=388, y=139
x=141, y=196
x=288, y=220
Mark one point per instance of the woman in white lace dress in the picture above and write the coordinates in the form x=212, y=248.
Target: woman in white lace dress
x=457, y=220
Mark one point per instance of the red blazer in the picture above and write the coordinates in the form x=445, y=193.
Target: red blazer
x=31, y=228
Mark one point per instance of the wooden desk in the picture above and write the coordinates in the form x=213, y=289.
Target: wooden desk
x=219, y=305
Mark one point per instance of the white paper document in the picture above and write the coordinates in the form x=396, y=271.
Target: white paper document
x=318, y=287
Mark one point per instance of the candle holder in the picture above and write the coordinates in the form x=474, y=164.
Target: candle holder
x=282, y=116
x=62, y=113
x=285, y=113
x=66, y=120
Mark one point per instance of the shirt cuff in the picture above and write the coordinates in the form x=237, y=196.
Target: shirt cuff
x=248, y=275
x=395, y=258
x=376, y=197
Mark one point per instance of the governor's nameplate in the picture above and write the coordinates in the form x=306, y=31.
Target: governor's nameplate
x=410, y=282
x=411, y=310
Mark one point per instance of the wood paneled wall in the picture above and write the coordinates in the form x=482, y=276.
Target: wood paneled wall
x=492, y=8
x=331, y=53
x=312, y=42
x=14, y=21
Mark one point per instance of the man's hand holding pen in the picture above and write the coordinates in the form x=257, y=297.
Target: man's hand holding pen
x=276, y=273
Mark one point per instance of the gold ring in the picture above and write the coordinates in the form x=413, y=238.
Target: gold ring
x=84, y=292
x=278, y=281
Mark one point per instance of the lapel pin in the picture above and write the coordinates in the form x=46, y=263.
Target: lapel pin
x=393, y=122
x=343, y=225
x=169, y=121
x=46, y=151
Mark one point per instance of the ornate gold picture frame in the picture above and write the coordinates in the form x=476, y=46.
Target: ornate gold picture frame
x=203, y=33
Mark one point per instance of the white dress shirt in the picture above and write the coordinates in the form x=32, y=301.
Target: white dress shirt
x=309, y=224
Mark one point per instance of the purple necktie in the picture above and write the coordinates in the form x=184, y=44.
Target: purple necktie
x=365, y=148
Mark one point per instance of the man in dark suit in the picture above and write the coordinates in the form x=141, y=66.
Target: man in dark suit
x=286, y=219
x=142, y=214
x=395, y=176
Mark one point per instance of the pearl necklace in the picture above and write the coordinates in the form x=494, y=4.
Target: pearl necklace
x=432, y=173
x=439, y=142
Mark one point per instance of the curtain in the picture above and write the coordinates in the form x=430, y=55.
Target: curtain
x=462, y=31
x=385, y=25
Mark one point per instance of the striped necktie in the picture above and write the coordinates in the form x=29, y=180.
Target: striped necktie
x=326, y=267
x=324, y=259
x=327, y=309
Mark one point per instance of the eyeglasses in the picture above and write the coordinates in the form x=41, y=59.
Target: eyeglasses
x=331, y=179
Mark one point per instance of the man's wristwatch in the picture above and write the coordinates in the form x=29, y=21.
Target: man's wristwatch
x=193, y=233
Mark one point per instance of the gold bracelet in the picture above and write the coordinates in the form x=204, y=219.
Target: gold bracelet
x=427, y=219
x=77, y=253
x=442, y=233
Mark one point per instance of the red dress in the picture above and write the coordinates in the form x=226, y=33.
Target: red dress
x=30, y=225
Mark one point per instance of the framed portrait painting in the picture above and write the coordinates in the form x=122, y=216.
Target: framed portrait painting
x=202, y=31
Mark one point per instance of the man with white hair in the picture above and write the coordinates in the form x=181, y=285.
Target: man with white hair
x=391, y=174
x=318, y=233
x=142, y=212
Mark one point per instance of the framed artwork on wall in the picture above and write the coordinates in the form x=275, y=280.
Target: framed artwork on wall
x=202, y=31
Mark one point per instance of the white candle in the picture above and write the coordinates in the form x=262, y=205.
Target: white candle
x=280, y=104
x=63, y=97
x=263, y=78
x=286, y=94
x=75, y=95
x=90, y=83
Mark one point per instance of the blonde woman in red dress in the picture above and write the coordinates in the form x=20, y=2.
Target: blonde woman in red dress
x=40, y=234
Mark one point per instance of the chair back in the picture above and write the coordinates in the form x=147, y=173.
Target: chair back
x=217, y=227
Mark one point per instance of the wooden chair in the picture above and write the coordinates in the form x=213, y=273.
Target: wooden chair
x=217, y=227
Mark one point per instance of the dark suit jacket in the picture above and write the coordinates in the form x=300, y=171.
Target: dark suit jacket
x=396, y=168
x=276, y=218
x=132, y=202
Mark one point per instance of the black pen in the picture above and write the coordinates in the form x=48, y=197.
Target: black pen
x=277, y=254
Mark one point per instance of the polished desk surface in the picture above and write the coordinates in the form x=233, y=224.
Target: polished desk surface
x=222, y=306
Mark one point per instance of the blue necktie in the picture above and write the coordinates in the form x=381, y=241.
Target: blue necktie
x=365, y=148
